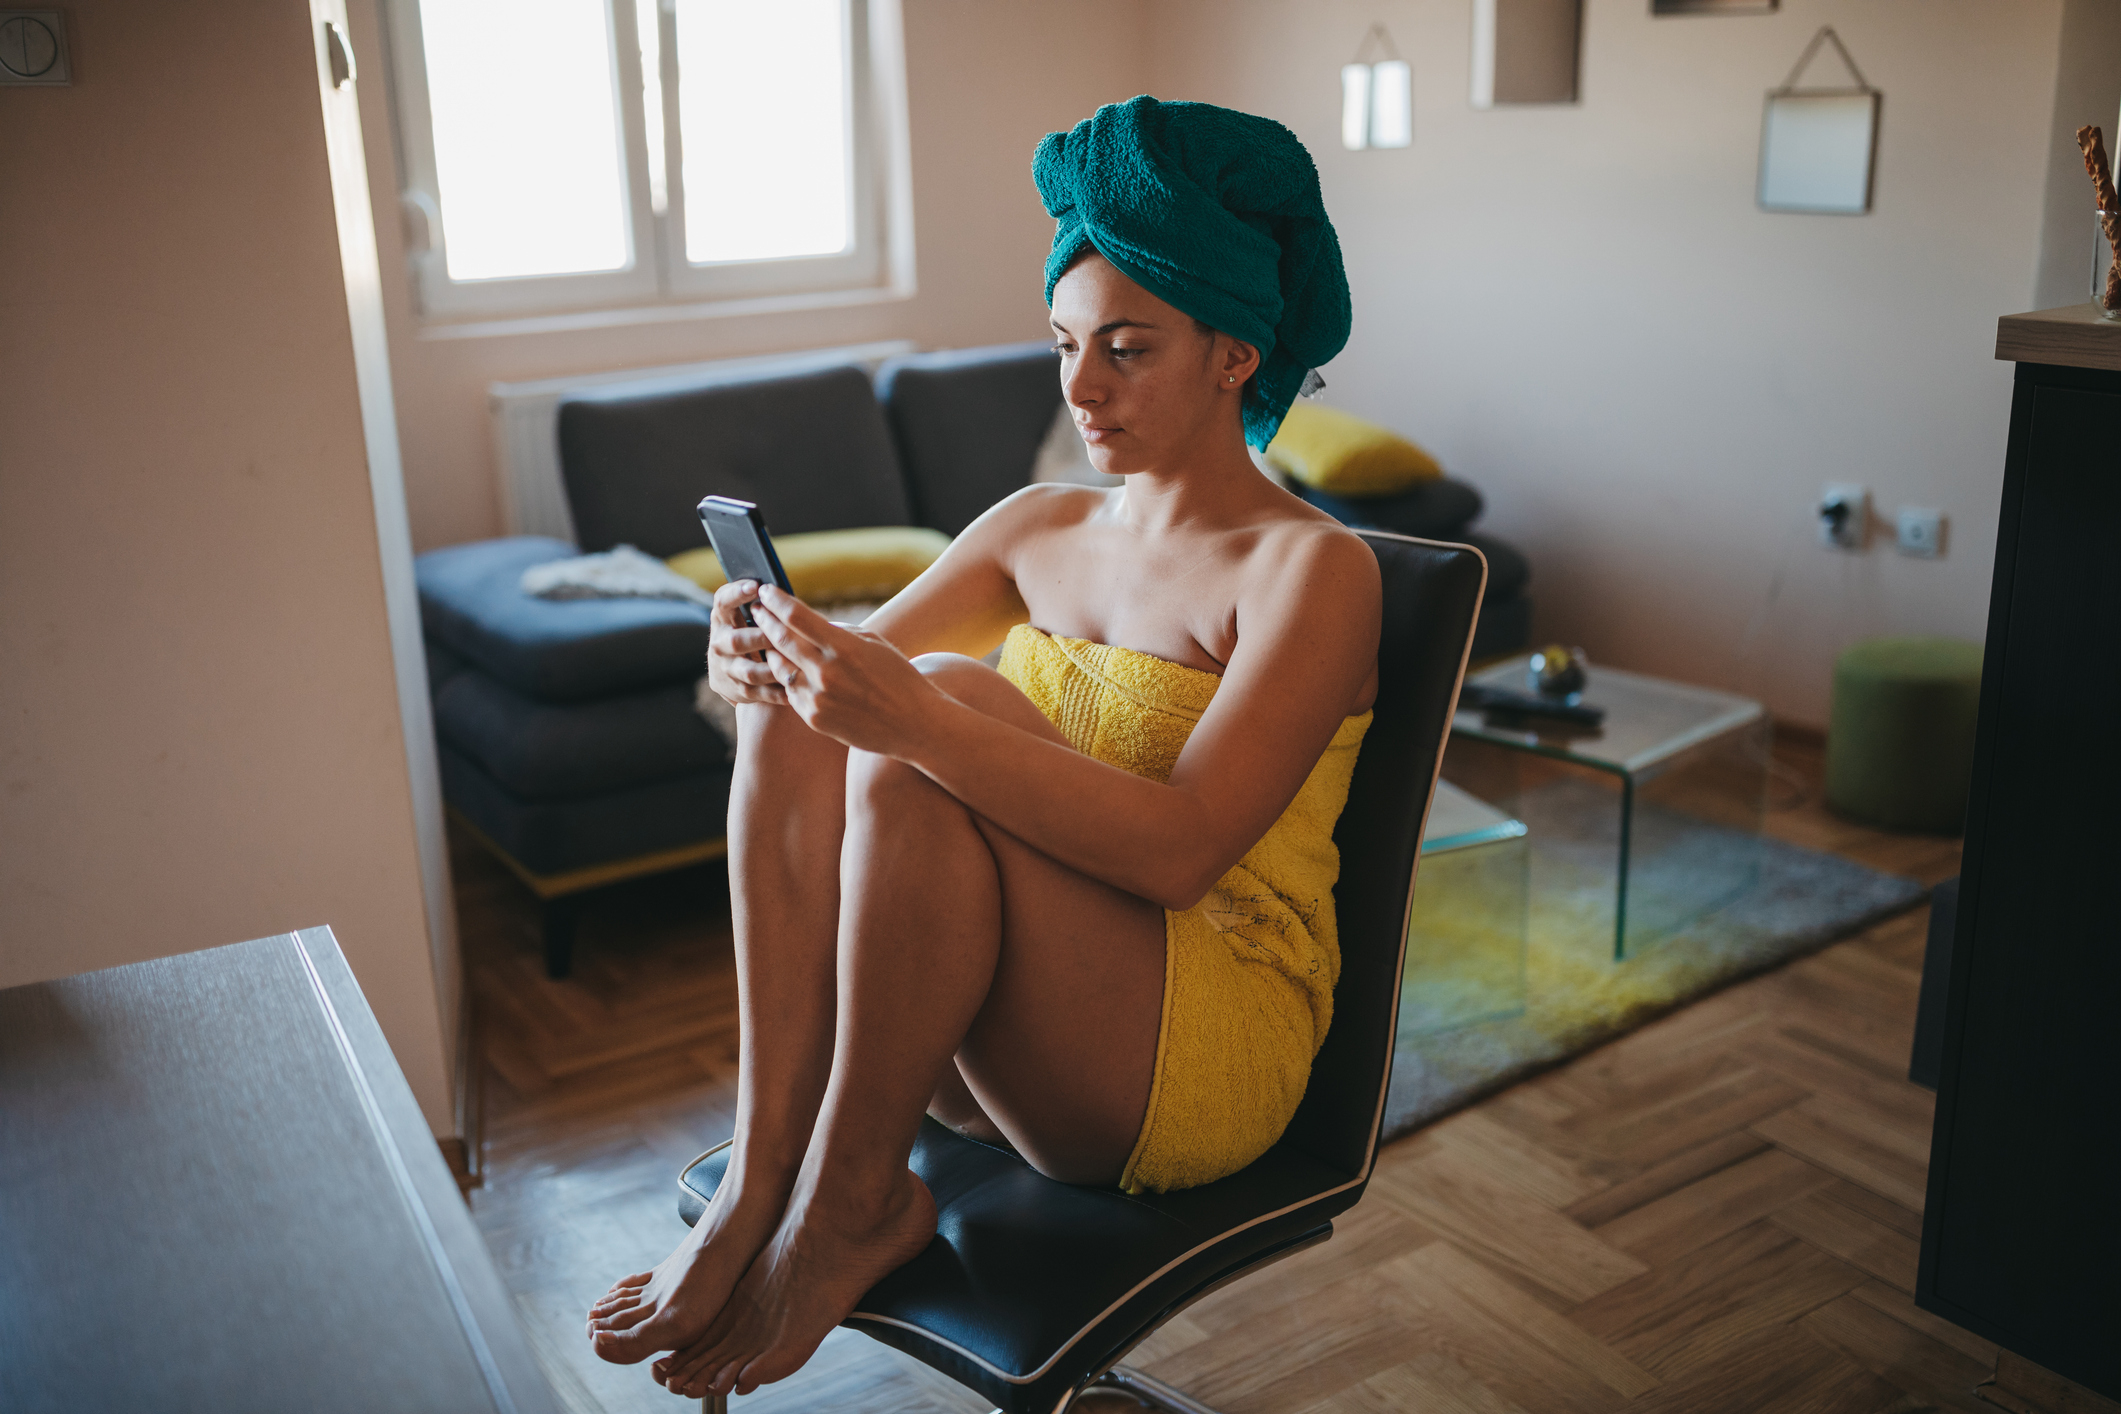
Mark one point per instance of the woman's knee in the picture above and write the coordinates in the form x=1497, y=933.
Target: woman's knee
x=882, y=783
x=980, y=687
x=944, y=669
x=778, y=733
x=779, y=756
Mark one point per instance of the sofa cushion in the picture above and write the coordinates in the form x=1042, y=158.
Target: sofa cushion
x=810, y=449
x=554, y=836
x=556, y=750
x=557, y=650
x=969, y=423
x=1433, y=510
x=1342, y=455
x=443, y=662
x=869, y=564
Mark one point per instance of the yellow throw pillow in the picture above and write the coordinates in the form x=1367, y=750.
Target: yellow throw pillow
x=835, y=566
x=1332, y=451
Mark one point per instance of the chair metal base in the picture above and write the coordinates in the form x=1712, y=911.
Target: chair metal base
x=1144, y=1389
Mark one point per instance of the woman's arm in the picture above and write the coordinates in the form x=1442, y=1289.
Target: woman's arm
x=1307, y=644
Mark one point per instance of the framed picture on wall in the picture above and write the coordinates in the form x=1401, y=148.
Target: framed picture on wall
x=1819, y=146
x=1712, y=7
x=1817, y=150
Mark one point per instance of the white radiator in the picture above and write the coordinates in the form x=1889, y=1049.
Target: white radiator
x=526, y=422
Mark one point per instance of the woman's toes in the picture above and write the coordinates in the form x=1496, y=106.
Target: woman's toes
x=774, y=1365
x=626, y=1318
x=692, y=1370
x=627, y=1346
x=717, y=1380
x=626, y=1287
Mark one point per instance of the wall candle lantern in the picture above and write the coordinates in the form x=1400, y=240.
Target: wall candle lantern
x=1377, y=97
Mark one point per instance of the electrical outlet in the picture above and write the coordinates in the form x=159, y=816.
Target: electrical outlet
x=1844, y=515
x=1921, y=532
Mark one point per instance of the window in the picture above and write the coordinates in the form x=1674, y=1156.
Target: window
x=585, y=154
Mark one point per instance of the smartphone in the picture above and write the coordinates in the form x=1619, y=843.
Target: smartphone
x=737, y=530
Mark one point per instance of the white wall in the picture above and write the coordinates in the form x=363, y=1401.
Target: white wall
x=201, y=737
x=2087, y=90
x=986, y=79
x=1580, y=310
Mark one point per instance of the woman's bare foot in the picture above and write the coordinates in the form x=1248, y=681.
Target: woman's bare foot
x=672, y=1305
x=825, y=1256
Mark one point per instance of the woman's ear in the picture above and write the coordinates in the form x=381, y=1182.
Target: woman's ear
x=1238, y=363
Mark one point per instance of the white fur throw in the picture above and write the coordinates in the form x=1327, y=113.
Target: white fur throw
x=619, y=573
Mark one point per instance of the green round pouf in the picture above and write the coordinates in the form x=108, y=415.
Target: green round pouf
x=1900, y=748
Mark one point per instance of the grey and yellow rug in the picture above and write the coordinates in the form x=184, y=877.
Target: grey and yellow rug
x=1563, y=993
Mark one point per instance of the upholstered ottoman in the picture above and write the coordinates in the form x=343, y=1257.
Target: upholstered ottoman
x=1900, y=748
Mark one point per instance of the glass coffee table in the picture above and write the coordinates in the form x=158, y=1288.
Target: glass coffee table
x=1644, y=823
x=1466, y=931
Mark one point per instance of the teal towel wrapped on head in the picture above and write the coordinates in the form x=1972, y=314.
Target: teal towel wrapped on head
x=1216, y=213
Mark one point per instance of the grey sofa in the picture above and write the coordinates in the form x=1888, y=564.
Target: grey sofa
x=569, y=743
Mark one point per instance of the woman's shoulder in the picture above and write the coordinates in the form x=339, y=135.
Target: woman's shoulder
x=1295, y=533
x=1040, y=506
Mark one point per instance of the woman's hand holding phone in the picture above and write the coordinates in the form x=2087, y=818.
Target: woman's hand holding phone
x=735, y=667
x=845, y=683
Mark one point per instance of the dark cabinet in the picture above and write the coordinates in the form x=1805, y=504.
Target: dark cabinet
x=2021, y=1234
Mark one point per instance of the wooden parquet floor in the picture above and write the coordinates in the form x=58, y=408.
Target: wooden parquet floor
x=1716, y=1214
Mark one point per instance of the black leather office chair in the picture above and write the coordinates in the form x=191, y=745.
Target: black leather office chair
x=1033, y=1290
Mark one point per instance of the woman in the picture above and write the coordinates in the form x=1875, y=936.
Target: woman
x=1081, y=905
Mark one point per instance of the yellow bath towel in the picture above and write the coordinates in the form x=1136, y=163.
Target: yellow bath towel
x=1249, y=970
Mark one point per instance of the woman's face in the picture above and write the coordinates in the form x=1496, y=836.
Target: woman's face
x=1147, y=386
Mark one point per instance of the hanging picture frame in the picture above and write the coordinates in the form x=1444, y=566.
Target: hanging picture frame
x=1818, y=146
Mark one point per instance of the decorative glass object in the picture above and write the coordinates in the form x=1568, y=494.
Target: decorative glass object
x=1558, y=672
x=2102, y=268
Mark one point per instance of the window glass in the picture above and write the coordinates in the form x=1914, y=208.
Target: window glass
x=762, y=98
x=526, y=139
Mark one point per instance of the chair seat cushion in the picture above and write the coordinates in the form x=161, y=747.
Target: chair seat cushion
x=556, y=650
x=561, y=750
x=1032, y=1286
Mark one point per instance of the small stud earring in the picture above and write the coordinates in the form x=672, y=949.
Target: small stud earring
x=1231, y=379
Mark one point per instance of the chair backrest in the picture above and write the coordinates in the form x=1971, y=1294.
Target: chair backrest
x=1431, y=600
x=969, y=423
x=810, y=448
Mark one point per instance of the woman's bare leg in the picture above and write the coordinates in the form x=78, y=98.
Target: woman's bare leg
x=957, y=944
x=787, y=813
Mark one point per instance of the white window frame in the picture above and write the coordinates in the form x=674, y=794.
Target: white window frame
x=659, y=280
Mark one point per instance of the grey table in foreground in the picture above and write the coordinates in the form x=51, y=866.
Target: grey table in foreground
x=217, y=1193
x=1656, y=814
